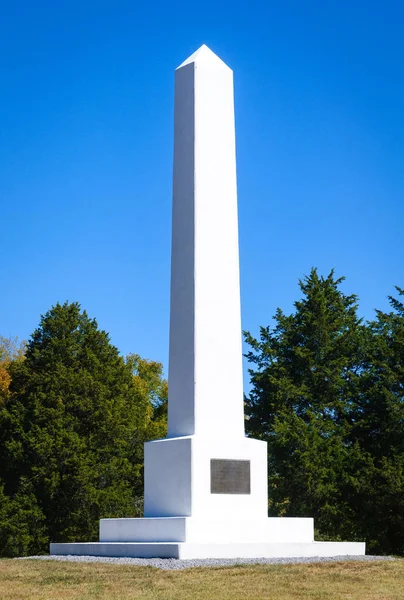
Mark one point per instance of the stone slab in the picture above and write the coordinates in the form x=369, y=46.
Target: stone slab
x=190, y=529
x=190, y=551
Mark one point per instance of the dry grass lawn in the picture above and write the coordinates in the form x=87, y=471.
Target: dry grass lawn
x=49, y=580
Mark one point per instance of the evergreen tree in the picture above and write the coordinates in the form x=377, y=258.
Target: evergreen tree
x=379, y=429
x=22, y=529
x=73, y=429
x=303, y=389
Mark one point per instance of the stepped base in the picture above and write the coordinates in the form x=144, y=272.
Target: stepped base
x=208, y=531
x=189, y=537
x=186, y=550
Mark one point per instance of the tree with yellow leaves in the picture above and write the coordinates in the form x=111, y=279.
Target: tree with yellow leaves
x=11, y=349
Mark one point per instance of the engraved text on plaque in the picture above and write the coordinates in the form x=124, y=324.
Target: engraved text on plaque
x=230, y=476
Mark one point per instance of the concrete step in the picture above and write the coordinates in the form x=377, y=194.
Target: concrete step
x=194, y=550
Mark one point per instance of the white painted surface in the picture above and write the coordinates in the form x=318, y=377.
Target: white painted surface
x=169, y=529
x=189, y=550
x=257, y=550
x=271, y=530
x=205, y=360
x=177, y=478
x=190, y=529
x=229, y=506
x=167, y=478
x=119, y=549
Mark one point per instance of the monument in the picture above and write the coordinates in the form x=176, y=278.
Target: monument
x=206, y=483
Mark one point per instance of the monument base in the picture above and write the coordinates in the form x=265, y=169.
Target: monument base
x=186, y=550
x=188, y=537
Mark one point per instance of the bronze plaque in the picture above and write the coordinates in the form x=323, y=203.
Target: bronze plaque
x=229, y=476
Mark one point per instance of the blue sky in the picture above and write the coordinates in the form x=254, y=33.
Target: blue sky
x=86, y=154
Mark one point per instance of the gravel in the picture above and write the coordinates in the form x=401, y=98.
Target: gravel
x=176, y=564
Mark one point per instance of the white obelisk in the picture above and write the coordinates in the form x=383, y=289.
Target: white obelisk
x=206, y=483
x=205, y=367
x=205, y=403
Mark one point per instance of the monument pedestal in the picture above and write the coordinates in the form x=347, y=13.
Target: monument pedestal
x=221, y=488
x=206, y=478
x=189, y=537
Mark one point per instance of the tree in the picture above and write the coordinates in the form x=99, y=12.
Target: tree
x=11, y=349
x=149, y=381
x=379, y=429
x=22, y=529
x=304, y=386
x=73, y=428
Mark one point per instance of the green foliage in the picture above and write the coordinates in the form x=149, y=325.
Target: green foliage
x=74, y=429
x=327, y=396
x=149, y=381
x=22, y=530
x=379, y=426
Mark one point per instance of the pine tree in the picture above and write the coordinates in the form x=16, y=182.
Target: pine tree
x=379, y=429
x=22, y=529
x=303, y=390
x=73, y=428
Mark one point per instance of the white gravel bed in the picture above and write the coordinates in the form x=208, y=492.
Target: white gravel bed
x=178, y=564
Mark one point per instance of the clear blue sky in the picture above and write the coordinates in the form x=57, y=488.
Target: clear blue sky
x=86, y=99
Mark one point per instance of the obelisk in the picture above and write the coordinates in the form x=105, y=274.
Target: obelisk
x=206, y=483
x=206, y=440
x=205, y=363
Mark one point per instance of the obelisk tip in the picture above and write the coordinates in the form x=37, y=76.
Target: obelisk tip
x=203, y=55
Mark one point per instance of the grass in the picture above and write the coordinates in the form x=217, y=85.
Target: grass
x=49, y=580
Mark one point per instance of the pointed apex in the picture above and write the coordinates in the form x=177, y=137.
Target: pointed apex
x=203, y=55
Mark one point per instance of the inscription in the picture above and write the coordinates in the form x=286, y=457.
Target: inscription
x=230, y=476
